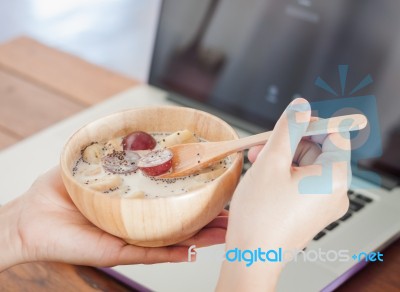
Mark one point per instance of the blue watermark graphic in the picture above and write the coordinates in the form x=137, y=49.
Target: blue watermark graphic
x=279, y=255
x=249, y=257
x=365, y=144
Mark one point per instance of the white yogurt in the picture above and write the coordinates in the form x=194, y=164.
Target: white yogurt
x=136, y=184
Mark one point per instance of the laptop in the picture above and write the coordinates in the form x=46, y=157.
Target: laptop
x=244, y=61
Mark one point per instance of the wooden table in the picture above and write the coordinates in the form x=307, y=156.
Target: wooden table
x=40, y=86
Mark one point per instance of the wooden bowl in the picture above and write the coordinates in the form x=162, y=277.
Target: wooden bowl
x=158, y=221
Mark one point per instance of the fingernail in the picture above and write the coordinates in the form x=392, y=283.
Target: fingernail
x=299, y=111
x=299, y=105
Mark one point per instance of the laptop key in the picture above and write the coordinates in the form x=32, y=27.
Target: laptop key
x=345, y=216
x=319, y=235
x=364, y=198
x=332, y=226
x=355, y=206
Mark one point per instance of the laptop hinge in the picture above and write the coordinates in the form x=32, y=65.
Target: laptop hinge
x=233, y=121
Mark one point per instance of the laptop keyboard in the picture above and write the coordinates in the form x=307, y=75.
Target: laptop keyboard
x=357, y=203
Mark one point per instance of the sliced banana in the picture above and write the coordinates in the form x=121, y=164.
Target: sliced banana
x=113, y=145
x=91, y=170
x=206, y=175
x=179, y=137
x=134, y=194
x=131, y=192
x=106, y=183
x=93, y=153
x=125, y=191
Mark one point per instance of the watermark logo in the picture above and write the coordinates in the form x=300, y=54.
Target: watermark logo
x=249, y=257
x=368, y=257
x=365, y=144
x=191, y=252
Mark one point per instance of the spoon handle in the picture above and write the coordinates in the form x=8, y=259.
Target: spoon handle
x=321, y=126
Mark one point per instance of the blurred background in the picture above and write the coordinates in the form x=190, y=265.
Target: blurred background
x=116, y=34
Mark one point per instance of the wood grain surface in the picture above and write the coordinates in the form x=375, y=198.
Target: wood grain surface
x=34, y=74
x=27, y=108
x=31, y=99
x=43, y=276
x=60, y=72
x=384, y=276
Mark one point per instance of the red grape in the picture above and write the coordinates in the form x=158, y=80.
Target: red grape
x=156, y=162
x=139, y=141
x=121, y=162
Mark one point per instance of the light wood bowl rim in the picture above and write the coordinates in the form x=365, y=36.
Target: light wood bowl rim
x=231, y=175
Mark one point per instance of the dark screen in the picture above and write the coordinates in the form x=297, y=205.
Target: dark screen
x=251, y=58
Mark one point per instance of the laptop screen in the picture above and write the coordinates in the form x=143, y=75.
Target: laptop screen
x=250, y=58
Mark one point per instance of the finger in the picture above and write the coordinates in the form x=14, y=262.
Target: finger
x=319, y=139
x=287, y=134
x=335, y=159
x=206, y=237
x=335, y=148
x=253, y=153
x=131, y=254
x=306, y=153
x=51, y=178
x=219, y=222
x=303, y=156
x=224, y=212
x=51, y=183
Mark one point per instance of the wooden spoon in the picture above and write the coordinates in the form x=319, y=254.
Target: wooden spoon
x=190, y=158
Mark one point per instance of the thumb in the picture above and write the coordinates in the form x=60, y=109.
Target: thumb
x=287, y=134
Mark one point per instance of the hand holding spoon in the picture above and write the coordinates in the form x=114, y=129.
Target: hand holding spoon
x=190, y=158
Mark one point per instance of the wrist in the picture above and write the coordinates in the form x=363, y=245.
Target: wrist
x=273, y=238
x=251, y=265
x=11, y=251
x=255, y=262
x=259, y=276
